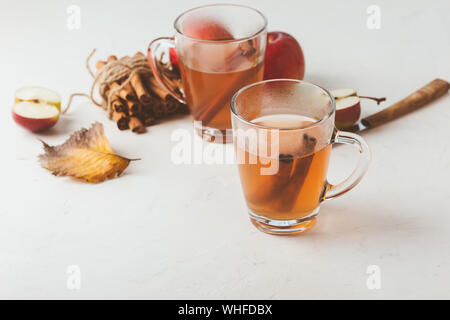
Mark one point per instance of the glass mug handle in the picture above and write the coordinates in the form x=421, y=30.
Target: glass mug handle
x=155, y=52
x=333, y=191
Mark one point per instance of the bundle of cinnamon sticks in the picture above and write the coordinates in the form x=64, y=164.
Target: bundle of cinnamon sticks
x=140, y=103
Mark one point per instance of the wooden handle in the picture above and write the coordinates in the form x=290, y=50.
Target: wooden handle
x=421, y=97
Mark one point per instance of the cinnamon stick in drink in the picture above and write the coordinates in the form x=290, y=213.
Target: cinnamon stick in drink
x=232, y=82
x=273, y=185
x=287, y=195
x=246, y=50
x=207, y=113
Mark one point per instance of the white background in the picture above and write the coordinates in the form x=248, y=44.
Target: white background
x=167, y=231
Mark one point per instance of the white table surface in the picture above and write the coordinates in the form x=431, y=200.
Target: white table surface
x=182, y=231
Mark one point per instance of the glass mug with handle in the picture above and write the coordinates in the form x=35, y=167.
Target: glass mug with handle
x=283, y=133
x=220, y=49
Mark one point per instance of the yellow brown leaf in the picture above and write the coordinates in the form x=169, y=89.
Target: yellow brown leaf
x=86, y=155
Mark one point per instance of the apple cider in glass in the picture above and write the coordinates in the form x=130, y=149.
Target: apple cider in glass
x=283, y=132
x=220, y=48
x=297, y=187
x=208, y=94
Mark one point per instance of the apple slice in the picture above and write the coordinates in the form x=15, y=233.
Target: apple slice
x=348, y=111
x=343, y=93
x=38, y=94
x=35, y=116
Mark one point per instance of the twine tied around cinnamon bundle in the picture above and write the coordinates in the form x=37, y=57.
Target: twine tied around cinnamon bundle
x=119, y=71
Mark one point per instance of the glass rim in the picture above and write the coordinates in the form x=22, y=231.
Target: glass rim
x=315, y=123
x=257, y=33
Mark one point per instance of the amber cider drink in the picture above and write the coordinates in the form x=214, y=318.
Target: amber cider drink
x=297, y=187
x=208, y=94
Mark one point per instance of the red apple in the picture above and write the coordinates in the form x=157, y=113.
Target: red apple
x=207, y=30
x=36, y=108
x=284, y=57
x=348, y=111
x=35, y=116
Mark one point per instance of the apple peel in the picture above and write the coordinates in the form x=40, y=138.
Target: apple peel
x=348, y=111
x=85, y=156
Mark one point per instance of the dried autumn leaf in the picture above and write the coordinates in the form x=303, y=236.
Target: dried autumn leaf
x=86, y=155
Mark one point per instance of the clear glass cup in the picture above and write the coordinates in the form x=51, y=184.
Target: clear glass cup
x=220, y=49
x=283, y=134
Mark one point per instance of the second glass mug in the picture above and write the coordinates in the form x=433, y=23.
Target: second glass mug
x=220, y=49
x=283, y=132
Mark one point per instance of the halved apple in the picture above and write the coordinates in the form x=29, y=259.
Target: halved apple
x=348, y=111
x=343, y=93
x=36, y=108
x=35, y=116
x=348, y=107
x=38, y=94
